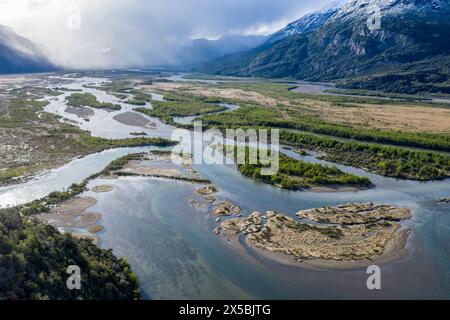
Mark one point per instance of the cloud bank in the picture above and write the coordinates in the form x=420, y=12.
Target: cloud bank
x=124, y=33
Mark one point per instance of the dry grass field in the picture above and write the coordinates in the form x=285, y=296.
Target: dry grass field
x=386, y=116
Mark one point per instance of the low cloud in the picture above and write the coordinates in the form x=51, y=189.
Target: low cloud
x=122, y=33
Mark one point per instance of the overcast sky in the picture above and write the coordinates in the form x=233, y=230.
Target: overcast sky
x=140, y=32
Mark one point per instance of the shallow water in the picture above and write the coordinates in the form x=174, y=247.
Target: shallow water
x=190, y=119
x=161, y=229
x=102, y=123
x=61, y=178
x=173, y=250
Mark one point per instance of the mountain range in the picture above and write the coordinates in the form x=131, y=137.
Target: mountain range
x=389, y=45
x=199, y=51
x=18, y=54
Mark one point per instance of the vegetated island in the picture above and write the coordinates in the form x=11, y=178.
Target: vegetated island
x=295, y=174
x=181, y=105
x=348, y=236
x=139, y=99
x=80, y=100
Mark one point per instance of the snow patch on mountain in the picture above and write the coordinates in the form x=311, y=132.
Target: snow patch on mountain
x=363, y=8
x=309, y=22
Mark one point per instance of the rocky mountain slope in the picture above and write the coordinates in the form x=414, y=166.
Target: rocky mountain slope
x=18, y=54
x=309, y=22
x=390, y=45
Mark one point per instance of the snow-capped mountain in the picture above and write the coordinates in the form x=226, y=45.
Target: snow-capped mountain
x=309, y=22
x=362, y=8
x=18, y=54
x=389, y=45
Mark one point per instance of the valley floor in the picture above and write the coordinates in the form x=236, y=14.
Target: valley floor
x=357, y=143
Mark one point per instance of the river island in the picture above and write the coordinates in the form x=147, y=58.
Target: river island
x=344, y=237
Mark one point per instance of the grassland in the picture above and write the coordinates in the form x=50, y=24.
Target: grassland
x=253, y=115
x=284, y=90
x=403, y=123
x=378, y=94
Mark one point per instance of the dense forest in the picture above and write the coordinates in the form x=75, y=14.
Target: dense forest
x=34, y=259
